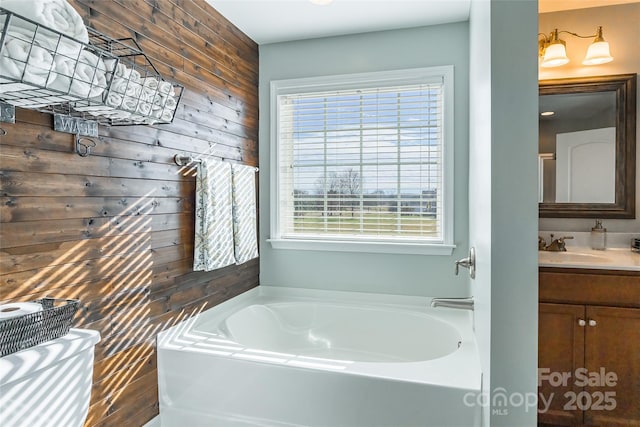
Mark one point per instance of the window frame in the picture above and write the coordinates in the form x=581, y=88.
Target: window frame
x=359, y=81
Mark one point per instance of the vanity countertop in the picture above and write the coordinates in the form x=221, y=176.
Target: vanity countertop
x=581, y=257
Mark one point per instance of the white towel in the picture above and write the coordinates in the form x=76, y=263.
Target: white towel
x=163, y=114
x=130, y=104
x=165, y=88
x=114, y=100
x=123, y=71
x=244, y=213
x=143, y=108
x=162, y=87
x=148, y=94
x=112, y=114
x=126, y=87
x=55, y=14
x=166, y=116
x=213, y=243
x=23, y=61
x=85, y=78
x=170, y=102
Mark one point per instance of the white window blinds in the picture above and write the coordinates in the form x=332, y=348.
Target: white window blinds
x=362, y=163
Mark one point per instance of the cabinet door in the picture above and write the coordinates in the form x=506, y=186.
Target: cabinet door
x=613, y=345
x=560, y=352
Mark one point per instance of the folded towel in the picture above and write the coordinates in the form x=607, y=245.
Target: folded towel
x=114, y=100
x=213, y=243
x=150, y=82
x=160, y=86
x=166, y=116
x=130, y=104
x=122, y=71
x=143, y=108
x=7, y=86
x=156, y=111
x=126, y=87
x=163, y=100
x=111, y=114
x=244, y=213
x=165, y=88
x=148, y=94
x=85, y=78
x=170, y=102
x=26, y=62
x=40, y=102
x=94, y=109
x=55, y=14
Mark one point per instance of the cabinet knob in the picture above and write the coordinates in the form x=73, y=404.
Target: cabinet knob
x=581, y=322
x=592, y=322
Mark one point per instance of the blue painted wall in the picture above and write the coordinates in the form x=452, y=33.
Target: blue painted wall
x=503, y=226
x=446, y=44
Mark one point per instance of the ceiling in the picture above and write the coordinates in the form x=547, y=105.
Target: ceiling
x=270, y=21
x=578, y=106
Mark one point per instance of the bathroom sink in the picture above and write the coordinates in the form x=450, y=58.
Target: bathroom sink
x=585, y=257
x=569, y=257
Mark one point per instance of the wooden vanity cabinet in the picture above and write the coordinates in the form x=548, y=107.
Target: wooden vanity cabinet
x=589, y=321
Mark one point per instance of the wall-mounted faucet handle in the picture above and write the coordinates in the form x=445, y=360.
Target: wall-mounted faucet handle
x=561, y=244
x=469, y=262
x=556, y=245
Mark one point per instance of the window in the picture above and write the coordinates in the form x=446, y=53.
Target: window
x=364, y=162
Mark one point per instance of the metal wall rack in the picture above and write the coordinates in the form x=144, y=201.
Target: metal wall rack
x=105, y=82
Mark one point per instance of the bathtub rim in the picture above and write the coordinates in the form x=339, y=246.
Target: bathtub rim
x=458, y=370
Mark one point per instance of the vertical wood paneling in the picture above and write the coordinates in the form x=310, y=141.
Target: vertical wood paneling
x=115, y=229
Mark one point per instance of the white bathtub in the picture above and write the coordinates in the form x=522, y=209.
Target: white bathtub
x=286, y=357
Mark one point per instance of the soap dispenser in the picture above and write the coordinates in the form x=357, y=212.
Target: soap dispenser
x=598, y=236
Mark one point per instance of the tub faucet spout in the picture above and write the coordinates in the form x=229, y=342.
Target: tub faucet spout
x=461, y=303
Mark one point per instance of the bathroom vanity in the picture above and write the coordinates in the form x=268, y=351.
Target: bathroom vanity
x=589, y=340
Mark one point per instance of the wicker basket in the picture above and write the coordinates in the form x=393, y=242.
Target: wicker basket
x=54, y=321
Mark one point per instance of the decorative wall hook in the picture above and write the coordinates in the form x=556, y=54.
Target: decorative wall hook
x=84, y=145
x=7, y=113
x=183, y=159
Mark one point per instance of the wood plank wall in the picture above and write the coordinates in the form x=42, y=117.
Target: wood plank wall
x=115, y=229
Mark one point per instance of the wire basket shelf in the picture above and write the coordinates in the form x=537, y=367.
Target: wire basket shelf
x=109, y=81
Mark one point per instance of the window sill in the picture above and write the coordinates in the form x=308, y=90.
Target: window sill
x=408, y=248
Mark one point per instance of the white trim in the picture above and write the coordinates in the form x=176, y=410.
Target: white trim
x=443, y=74
x=448, y=150
x=369, y=247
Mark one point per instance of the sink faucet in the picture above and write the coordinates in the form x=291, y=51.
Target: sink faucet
x=541, y=243
x=556, y=245
x=465, y=303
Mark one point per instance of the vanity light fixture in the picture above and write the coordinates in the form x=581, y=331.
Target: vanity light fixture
x=553, y=50
x=547, y=113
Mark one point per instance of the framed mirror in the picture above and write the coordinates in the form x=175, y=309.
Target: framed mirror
x=587, y=147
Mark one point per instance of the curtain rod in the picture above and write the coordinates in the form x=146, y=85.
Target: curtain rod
x=184, y=160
